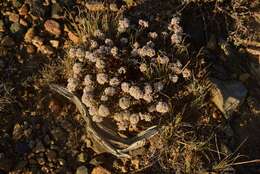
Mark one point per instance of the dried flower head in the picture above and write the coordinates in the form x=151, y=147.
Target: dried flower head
x=88, y=99
x=153, y=35
x=124, y=40
x=134, y=119
x=162, y=107
x=143, y=23
x=99, y=34
x=77, y=68
x=109, y=42
x=93, y=44
x=93, y=111
x=121, y=70
x=136, y=92
x=173, y=78
x=103, y=111
x=88, y=80
x=123, y=25
x=114, y=82
x=114, y=51
x=90, y=56
x=73, y=84
x=125, y=87
x=186, y=73
x=158, y=86
x=143, y=68
x=100, y=64
x=146, y=51
x=102, y=78
x=124, y=102
x=162, y=59
x=110, y=91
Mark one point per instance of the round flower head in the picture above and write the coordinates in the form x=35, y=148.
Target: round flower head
x=162, y=60
x=124, y=102
x=100, y=64
x=117, y=117
x=99, y=34
x=136, y=92
x=109, y=42
x=150, y=44
x=186, y=73
x=175, y=23
x=102, y=78
x=104, y=98
x=97, y=119
x=121, y=70
x=152, y=108
x=72, y=84
x=114, y=51
x=88, y=80
x=136, y=45
x=143, y=23
x=175, y=68
x=143, y=68
x=148, y=89
x=162, y=107
x=176, y=38
x=103, y=111
x=125, y=87
x=80, y=53
x=88, y=88
x=148, y=97
x=125, y=115
x=124, y=40
x=134, y=119
x=173, y=78
x=90, y=56
x=110, y=91
x=134, y=52
x=72, y=52
x=114, y=81
x=88, y=99
x=146, y=117
x=146, y=51
x=123, y=25
x=93, y=44
x=122, y=125
x=158, y=86
x=153, y=35
x=77, y=68
x=93, y=111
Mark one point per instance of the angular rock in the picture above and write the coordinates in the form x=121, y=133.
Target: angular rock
x=73, y=37
x=100, y=170
x=29, y=35
x=37, y=41
x=39, y=147
x=52, y=27
x=23, y=11
x=13, y=17
x=228, y=95
x=2, y=26
x=15, y=27
x=82, y=170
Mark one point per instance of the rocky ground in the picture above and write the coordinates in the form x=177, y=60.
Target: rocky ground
x=43, y=133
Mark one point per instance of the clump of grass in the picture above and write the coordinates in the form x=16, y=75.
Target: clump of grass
x=87, y=22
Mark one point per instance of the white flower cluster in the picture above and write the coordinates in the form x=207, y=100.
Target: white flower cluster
x=103, y=70
x=176, y=29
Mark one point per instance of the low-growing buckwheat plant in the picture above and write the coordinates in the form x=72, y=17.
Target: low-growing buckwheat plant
x=125, y=81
